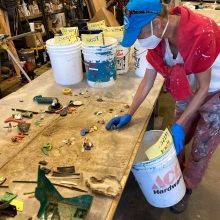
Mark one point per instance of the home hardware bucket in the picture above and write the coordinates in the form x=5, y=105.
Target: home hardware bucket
x=67, y=67
x=122, y=57
x=160, y=179
x=100, y=64
x=139, y=59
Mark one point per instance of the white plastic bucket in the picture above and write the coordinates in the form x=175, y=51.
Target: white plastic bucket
x=59, y=50
x=67, y=67
x=100, y=67
x=139, y=59
x=160, y=179
x=51, y=44
x=122, y=57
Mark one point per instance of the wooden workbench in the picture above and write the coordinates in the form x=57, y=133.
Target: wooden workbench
x=113, y=152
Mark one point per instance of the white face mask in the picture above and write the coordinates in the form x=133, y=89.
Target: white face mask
x=152, y=41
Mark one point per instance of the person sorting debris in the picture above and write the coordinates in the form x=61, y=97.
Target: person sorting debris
x=120, y=6
x=184, y=48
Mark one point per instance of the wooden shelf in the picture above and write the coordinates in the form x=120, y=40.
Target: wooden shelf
x=31, y=17
x=54, y=12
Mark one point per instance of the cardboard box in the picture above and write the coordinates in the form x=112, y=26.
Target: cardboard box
x=103, y=14
x=31, y=41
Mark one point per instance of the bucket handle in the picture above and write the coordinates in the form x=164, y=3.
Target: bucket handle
x=125, y=54
x=139, y=53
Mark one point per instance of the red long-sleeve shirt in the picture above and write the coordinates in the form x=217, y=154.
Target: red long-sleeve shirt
x=121, y=4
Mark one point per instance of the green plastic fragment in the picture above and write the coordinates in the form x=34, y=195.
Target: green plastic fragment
x=47, y=100
x=46, y=148
x=8, y=196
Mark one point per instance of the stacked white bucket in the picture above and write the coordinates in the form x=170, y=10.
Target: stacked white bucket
x=100, y=63
x=122, y=57
x=139, y=56
x=66, y=62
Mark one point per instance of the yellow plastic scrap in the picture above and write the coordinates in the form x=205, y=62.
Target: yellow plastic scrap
x=95, y=128
x=19, y=205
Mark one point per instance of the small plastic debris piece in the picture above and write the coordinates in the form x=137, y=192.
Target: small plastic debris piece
x=87, y=144
x=46, y=170
x=19, y=205
x=97, y=113
x=17, y=116
x=43, y=162
x=24, y=127
x=26, y=193
x=101, y=121
x=20, y=100
x=68, y=169
x=8, y=196
x=31, y=196
x=84, y=131
x=81, y=93
x=95, y=128
x=77, y=103
x=67, y=91
x=46, y=148
x=100, y=100
x=42, y=117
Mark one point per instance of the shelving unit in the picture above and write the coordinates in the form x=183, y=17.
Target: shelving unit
x=42, y=17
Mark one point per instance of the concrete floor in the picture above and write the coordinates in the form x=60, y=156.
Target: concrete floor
x=205, y=199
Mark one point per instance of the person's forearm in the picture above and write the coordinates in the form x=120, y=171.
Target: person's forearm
x=143, y=90
x=193, y=106
x=203, y=80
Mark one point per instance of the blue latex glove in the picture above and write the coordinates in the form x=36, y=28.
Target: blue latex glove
x=118, y=122
x=178, y=137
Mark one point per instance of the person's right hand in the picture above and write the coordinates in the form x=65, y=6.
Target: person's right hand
x=118, y=122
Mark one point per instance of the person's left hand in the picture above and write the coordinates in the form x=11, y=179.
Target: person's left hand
x=178, y=137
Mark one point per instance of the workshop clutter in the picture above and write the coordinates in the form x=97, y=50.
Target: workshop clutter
x=66, y=62
x=139, y=59
x=160, y=177
x=100, y=63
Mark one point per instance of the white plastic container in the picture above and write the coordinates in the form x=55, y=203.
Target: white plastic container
x=67, y=67
x=122, y=57
x=160, y=179
x=100, y=63
x=51, y=44
x=139, y=59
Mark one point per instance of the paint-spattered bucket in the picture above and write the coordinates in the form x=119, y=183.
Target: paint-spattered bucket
x=66, y=62
x=122, y=57
x=139, y=59
x=100, y=63
x=160, y=179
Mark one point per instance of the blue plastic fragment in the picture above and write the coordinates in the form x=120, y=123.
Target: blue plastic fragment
x=84, y=131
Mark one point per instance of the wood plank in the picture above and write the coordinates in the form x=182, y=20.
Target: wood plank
x=5, y=30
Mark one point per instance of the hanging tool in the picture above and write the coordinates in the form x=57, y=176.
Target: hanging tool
x=3, y=44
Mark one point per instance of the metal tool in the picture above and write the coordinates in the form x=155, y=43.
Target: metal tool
x=55, y=184
x=2, y=180
x=22, y=110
